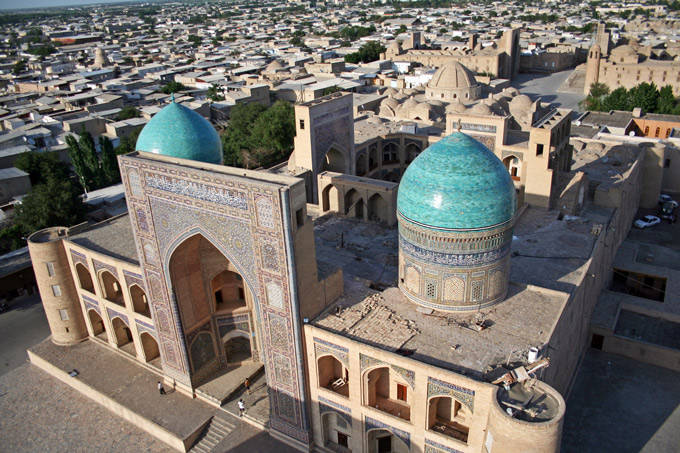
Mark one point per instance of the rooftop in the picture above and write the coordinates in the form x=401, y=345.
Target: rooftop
x=112, y=237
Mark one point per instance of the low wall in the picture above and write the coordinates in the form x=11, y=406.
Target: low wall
x=150, y=427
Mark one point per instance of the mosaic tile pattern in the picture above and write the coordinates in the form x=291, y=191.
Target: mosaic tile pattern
x=99, y=266
x=517, y=154
x=435, y=447
x=181, y=202
x=478, y=127
x=372, y=424
x=369, y=362
x=325, y=408
x=91, y=304
x=114, y=314
x=144, y=327
x=321, y=350
x=133, y=279
x=435, y=387
x=335, y=405
x=77, y=257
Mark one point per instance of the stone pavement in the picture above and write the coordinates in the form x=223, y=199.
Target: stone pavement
x=38, y=413
x=257, y=403
x=621, y=405
x=23, y=326
x=129, y=384
x=229, y=381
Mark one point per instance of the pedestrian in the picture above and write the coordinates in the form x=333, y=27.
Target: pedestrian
x=160, y=388
x=241, y=407
x=246, y=384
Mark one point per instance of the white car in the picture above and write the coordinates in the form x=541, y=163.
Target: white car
x=663, y=198
x=647, y=221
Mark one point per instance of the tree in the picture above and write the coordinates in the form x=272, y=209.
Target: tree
x=645, y=96
x=19, y=67
x=173, y=87
x=236, y=137
x=85, y=160
x=402, y=29
x=273, y=132
x=128, y=143
x=619, y=99
x=667, y=103
x=368, y=52
x=109, y=163
x=42, y=166
x=55, y=203
x=331, y=90
x=128, y=112
x=214, y=93
x=598, y=89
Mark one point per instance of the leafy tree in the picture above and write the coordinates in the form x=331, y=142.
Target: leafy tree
x=645, y=96
x=11, y=238
x=55, y=203
x=368, y=52
x=19, y=67
x=274, y=131
x=619, y=99
x=598, y=89
x=402, y=29
x=331, y=90
x=667, y=103
x=214, y=93
x=236, y=137
x=109, y=163
x=173, y=87
x=194, y=40
x=42, y=166
x=128, y=112
x=85, y=160
x=129, y=142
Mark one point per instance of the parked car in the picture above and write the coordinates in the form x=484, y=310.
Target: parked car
x=663, y=198
x=666, y=209
x=647, y=221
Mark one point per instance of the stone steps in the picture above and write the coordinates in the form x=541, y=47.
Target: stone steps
x=215, y=432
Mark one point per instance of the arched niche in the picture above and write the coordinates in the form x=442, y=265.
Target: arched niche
x=97, y=325
x=383, y=441
x=140, y=304
x=334, y=160
x=329, y=198
x=354, y=204
x=377, y=208
x=333, y=375
x=111, y=289
x=84, y=278
x=150, y=347
x=448, y=416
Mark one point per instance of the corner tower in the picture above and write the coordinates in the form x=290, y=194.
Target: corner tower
x=455, y=208
x=592, y=67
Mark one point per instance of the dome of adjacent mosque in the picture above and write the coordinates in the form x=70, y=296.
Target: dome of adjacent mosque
x=410, y=103
x=390, y=91
x=453, y=75
x=625, y=49
x=481, y=109
x=178, y=131
x=457, y=183
x=521, y=102
x=390, y=102
x=456, y=107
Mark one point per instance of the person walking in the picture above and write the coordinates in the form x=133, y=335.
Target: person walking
x=160, y=388
x=246, y=384
x=241, y=407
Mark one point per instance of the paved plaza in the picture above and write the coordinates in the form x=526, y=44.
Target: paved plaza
x=621, y=405
x=546, y=87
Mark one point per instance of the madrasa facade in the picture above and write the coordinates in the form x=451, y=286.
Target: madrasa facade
x=215, y=266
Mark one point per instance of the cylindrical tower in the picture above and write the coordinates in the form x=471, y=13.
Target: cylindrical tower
x=537, y=428
x=56, y=286
x=592, y=67
x=455, y=208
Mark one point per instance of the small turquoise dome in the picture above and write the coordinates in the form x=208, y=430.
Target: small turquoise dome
x=457, y=183
x=178, y=131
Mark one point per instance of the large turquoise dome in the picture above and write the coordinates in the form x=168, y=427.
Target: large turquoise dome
x=457, y=183
x=178, y=131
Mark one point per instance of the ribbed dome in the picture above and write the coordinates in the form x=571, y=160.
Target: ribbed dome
x=481, y=109
x=453, y=75
x=624, y=50
x=178, y=131
x=457, y=183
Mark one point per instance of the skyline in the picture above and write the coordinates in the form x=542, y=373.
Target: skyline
x=11, y=5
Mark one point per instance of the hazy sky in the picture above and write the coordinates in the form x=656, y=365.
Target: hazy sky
x=16, y=4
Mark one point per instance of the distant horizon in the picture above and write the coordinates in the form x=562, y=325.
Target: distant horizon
x=10, y=5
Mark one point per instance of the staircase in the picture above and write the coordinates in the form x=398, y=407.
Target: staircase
x=214, y=432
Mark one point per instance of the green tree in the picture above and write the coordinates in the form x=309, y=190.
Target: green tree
x=173, y=87
x=368, y=52
x=237, y=136
x=666, y=102
x=619, y=99
x=128, y=143
x=109, y=163
x=55, y=203
x=128, y=112
x=273, y=133
x=598, y=89
x=84, y=160
x=19, y=67
x=645, y=96
x=331, y=90
x=42, y=166
x=194, y=40
x=214, y=93
x=402, y=29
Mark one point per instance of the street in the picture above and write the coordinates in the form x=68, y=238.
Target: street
x=23, y=326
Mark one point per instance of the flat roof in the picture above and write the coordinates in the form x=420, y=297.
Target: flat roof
x=112, y=237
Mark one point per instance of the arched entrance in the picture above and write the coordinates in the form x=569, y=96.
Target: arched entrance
x=111, y=286
x=237, y=347
x=449, y=417
x=383, y=441
x=150, y=347
x=354, y=204
x=139, y=302
x=412, y=151
x=121, y=332
x=373, y=158
x=336, y=430
x=377, y=208
x=334, y=160
x=514, y=166
x=97, y=324
x=329, y=198
x=84, y=278
x=333, y=375
x=361, y=165
x=213, y=300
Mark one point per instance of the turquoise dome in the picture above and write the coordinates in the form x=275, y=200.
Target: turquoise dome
x=178, y=131
x=457, y=183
